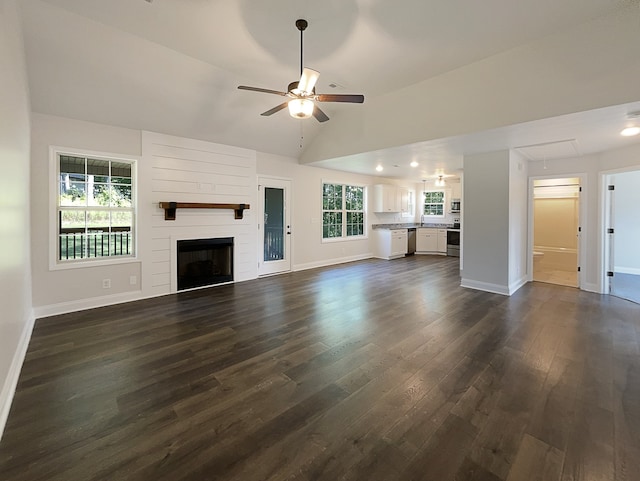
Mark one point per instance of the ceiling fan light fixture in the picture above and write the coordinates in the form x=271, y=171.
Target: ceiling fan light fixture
x=630, y=131
x=301, y=108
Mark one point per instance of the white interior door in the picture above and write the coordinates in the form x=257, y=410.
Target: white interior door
x=274, y=225
x=623, y=235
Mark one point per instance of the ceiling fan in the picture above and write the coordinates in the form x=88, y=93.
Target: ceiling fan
x=302, y=93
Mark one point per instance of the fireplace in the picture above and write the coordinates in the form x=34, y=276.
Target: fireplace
x=204, y=262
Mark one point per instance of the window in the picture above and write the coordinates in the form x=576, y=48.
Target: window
x=95, y=208
x=434, y=203
x=342, y=211
x=410, y=205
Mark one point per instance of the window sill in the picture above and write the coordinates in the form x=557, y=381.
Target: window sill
x=61, y=266
x=344, y=239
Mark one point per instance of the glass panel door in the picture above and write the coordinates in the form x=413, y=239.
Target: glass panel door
x=274, y=226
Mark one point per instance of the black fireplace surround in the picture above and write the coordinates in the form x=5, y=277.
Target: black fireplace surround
x=204, y=262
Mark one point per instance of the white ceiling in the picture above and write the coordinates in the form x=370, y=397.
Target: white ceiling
x=172, y=66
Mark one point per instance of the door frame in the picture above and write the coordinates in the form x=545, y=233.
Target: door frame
x=287, y=185
x=582, y=219
x=604, y=221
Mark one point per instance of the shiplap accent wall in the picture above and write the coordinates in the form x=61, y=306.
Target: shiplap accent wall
x=187, y=170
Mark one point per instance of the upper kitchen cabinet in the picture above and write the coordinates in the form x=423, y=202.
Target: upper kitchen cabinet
x=390, y=198
x=456, y=190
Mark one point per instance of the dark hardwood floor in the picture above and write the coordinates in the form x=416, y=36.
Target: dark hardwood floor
x=375, y=370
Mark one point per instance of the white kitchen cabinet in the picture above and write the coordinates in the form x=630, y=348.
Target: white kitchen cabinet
x=403, y=199
x=431, y=241
x=390, y=243
x=456, y=190
x=426, y=240
x=390, y=198
x=385, y=198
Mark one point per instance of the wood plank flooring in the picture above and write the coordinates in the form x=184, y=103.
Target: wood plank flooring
x=374, y=370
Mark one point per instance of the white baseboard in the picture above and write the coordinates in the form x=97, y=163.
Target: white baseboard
x=485, y=286
x=589, y=287
x=514, y=286
x=11, y=381
x=91, y=303
x=331, y=262
x=627, y=270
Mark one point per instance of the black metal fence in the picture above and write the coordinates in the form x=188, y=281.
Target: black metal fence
x=81, y=245
x=273, y=243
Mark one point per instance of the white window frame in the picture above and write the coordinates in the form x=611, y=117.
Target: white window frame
x=344, y=237
x=444, y=204
x=410, y=204
x=54, y=262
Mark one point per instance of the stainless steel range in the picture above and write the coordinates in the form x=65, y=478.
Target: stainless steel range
x=453, y=240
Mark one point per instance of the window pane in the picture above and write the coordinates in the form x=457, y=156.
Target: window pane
x=72, y=220
x=70, y=243
x=99, y=195
x=70, y=165
x=113, y=196
x=120, y=173
x=355, y=223
x=331, y=224
x=98, y=220
x=73, y=193
x=331, y=197
x=121, y=196
x=121, y=220
x=98, y=167
x=354, y=198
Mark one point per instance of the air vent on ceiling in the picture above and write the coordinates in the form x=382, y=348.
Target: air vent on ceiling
x=561, y=149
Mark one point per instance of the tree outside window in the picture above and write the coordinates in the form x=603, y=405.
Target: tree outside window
x=342, y=211
x=434, y=203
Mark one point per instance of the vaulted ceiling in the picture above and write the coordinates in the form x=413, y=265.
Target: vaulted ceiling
x=172, y=66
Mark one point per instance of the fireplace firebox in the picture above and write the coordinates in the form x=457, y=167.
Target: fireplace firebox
x=204, y=262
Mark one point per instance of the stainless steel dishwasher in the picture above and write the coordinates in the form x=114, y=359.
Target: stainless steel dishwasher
x=411, y=241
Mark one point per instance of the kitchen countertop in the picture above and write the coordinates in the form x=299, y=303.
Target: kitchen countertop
x=412, y=226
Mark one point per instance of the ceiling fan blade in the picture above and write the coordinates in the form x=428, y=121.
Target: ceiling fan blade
x=319, y=114
x=308, y=80
x=275, y=109
x=257, y=89
x=352, y=98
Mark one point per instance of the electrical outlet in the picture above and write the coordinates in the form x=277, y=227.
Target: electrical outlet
x=106, y=283
x=133, y=280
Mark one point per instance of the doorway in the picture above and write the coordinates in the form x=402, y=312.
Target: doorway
x=623, y=235
x=274, y=226
x=556, y=231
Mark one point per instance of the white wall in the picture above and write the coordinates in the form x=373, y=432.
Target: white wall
x=518, y=223
x=176, y=169
x=16, y=320
x=307, y=246
x=626, y=223
x=57, y=291
x=486, y=221
x=591, y=166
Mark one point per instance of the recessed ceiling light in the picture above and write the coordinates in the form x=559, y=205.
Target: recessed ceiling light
x=414, y=164
x=630, y=131
x=379, y=168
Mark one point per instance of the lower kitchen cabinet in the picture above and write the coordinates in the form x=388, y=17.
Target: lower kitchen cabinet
x=431, y=241
x=390, y=243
